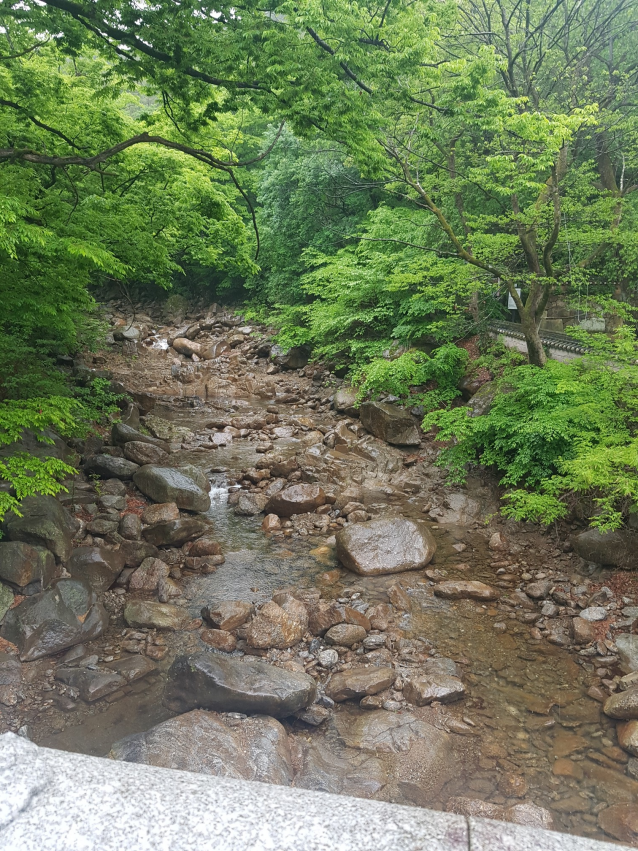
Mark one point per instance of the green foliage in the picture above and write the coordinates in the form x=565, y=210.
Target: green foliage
x=556, y=434
x=98, y=403
x=415, y=377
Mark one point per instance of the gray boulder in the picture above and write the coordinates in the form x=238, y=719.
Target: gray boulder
x=227, y=684
x=91, y=683
x=27, y=569
x=250, y=504
x=619, y=547
x=96, y=565
x=389, y=423
x=627, y=645
x=174, y=533
x=247, y=749
x=44, y=523
x=144, y=453
x=121, y=434
x=110, y=467
x=146, y=614
x=64, y=615
x=386, y=545
x=164, y=484
x=344, y=401
x=295, y=358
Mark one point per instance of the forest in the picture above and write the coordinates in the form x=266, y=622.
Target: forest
x=375, y=181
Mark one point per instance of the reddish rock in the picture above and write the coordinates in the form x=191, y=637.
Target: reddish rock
x=297, y=499
x=220, y=639
x=227, y=615
x=148, y=575
x=205, y=546
x=322, y=616
x=359, y=682
x=357, y=618
x=278, y=626
x=345, y=634
x=628, y=736
x=399, y=598
x=422, y=691
x=583, y=631
x=462, y=590
x=621, y=822
x=271, y=523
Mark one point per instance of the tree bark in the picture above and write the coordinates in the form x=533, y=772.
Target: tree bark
x=535, y=350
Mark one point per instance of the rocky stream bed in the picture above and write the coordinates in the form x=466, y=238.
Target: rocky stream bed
x=251, y=579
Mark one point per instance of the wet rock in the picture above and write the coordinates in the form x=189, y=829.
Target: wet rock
x=386, y=545
x=620, y=821
x=110, y=466
x=146, y=614
x=294, y=358
x=165, y=430
x=164, y=484
x=389, y=423
x=345, y=400
x=148, y=575
x=298, y=499
x=278, y=626
x=356, y=683
x=399, y=598
x=423, y=690
x=219, y=639
x=324, y=769
x=356, y=617
x=474, y=807
x=459, y=510
x=618, y=548
x=174, y=533
x=250, y=504
x=323, y=615
x=144, y=453
x=623, y=706
x=465, y=590
x=26, y=568
x=271, y=523
x=92, y=684
x=627, y=652
x=6, y=600
x=228, y=684
x=582, y=631
x=227, y=615
x=64, y=615
x=313, y=715
x=205, y=546
x=96, y=565
x=160, y=513
x=196, y=474
x=132, y=668
x=134, y=552
x=187, y=347
x=121, y=434
x=44, y=523
x=345, y=634
x=244, y=749
x=130, y=527
x=628, y=736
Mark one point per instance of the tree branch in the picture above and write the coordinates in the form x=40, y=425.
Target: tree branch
x=325, y=46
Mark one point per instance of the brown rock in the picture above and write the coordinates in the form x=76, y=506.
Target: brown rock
x=623, y=705
x=389, y=423
x=322, y=616
x=174, y=533
x=566, y=743
x=399, y=598
x=498, y=542
x=298, y=499
x=359, y=682
x=512, y=785
x=628, y=736
x=422, y=691
x=271, y=523
x=144, y=453
x=621, y=822
x=160, y=513
x=345, y=634
x=227, y=615
x=386, y=545
x=205, y=546
x=380, y=616
x=278, y=626
x=220, y=639
x=567, y=768
x=187, y=347
x=582, y=631
x=148, y=575
x=465, y=590
x=356, y=617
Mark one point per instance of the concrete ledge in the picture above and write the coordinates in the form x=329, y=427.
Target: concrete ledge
x=57, y=801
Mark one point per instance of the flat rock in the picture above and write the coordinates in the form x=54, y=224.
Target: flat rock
x=174, y=533
x=44, y=523
x=356, y=683
x=144, y=613
x=465, y=590
x=26, y=568
x=165, y=484
x=423, y=690
x=46, y=623
x=96, y=565
x=165, y=430
x=278, y=626
x=623, y=705
x=160, y=513
x=121, y=434
x=386, y=545
x=132, y=668
x=389, y=423
x=619, y=548
x=345, y=634
x=246, y=749
x=228, y=684
x=145, y=453
x=328, y=769
x=621, y=822
x=297, y=499
x=110, y=467
x=92, y=684
x=227, y=615
x=627, y=645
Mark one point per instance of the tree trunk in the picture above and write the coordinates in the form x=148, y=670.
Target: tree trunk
x=535, y=350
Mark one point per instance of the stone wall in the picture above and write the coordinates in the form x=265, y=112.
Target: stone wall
x=57, y=801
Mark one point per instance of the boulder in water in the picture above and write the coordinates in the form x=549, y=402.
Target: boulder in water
x=385, y=545
x=165, y=484
x=297, y=499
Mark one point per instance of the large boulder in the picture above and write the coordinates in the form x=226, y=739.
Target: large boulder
x=187, y=347
x=386, y=545
x=227, y=615
x=165, y=484
x=27, y=569
x=91, y=683
x=389, y=423
x=619, y=547
x=250, y=504
x=227, y=684
x=144, y=453
x=166, y=430
x=295, y=358
x=44, y=523
x=97, y=565
x=64, y=615
x=174, y=533
x=298, y=499
x=110, y=467
x=247, y=749
x=623, y=705
x=345, y=400
x=121, y=434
